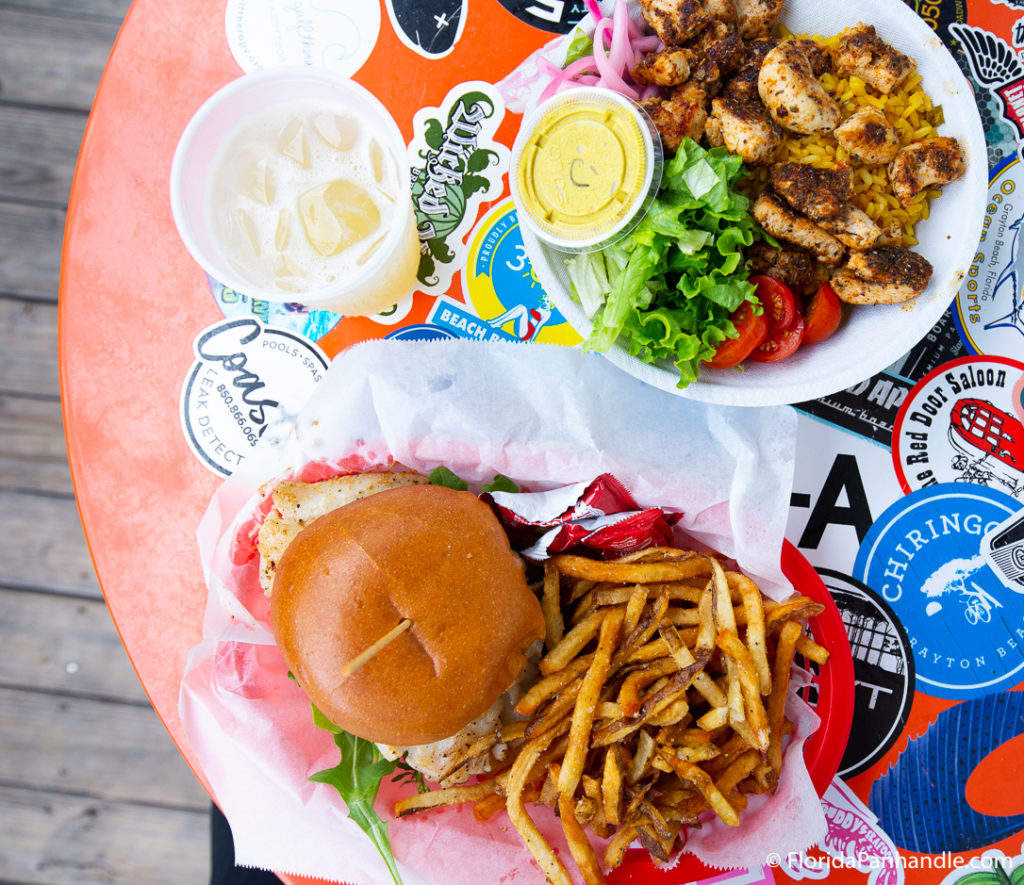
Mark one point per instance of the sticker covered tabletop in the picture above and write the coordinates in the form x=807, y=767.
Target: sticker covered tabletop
x=907, y=489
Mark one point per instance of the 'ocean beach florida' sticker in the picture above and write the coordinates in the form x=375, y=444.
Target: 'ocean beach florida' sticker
x=247, y=380
x=990, y=303
x=929, y=556
x=456, y=166
x=960, y=425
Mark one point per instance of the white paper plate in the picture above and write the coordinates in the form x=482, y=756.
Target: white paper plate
x=871, y=336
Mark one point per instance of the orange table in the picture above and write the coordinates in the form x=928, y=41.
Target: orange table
x=133, y=303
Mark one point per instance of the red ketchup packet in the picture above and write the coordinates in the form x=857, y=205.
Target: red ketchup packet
x=597, y=517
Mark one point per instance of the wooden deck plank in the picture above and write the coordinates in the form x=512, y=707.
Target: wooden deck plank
x=41, y=545
x=32, y=238
x=111, y=751
x=52, y=60
x=55, y=643
x=92, y=790
x=28, y=345
x=114, y=10
x=39, y=150
x=32, y=450
x=52, y=839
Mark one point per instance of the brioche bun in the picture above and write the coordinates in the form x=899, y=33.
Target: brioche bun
x=436, y=556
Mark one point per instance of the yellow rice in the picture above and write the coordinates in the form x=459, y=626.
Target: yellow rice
x=910, y=111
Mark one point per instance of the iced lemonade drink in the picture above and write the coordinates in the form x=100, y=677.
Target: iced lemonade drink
x=306, y=194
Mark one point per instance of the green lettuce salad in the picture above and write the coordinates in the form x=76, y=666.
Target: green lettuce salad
x=670, y=285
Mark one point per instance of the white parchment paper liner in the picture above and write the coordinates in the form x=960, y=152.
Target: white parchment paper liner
x=544, y=416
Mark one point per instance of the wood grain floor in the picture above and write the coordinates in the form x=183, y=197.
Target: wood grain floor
x=92, y=790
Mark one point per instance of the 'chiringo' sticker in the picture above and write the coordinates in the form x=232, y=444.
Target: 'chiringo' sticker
x=925, y=556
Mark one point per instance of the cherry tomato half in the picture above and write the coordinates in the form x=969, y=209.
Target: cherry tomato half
x=823, y=315
x=778, y=300
x=752, y=329
x=778, y=346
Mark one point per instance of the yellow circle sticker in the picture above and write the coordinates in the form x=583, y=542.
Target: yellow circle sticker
x=503, y=289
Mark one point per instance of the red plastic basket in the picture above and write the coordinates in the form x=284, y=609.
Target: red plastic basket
x=823, y=751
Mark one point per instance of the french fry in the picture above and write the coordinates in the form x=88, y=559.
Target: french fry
x=586, y=702
x=810, y=649
x=486, y=808
x=447, y=796
x=528, y=831
x=550, y=685
x=616, y=848
x=629, y=693
x=702, y=781
x=625, y=572
x=572, y=643
x=635, y=603
x=551, y=606
x=750, y=689
x=796, y=609
x=754, y=620
x=612, y=784
x=784, y=651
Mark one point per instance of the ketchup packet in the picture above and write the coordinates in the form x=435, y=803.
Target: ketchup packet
x=600, y=516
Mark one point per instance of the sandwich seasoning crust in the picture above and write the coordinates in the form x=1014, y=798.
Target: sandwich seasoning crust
x=633, y=687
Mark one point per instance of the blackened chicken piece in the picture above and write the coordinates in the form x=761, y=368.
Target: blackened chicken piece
x=756, y=18
x=817, y=55
x=742, y=86
x=853, y=228
x=783, y=223
x=718, y=57
x=745, y=128
x=794, y=96
x=667, y=67
x=868, y=137
x=675, y=21
x=887, y=275
x=862, y=53
x=817, y=193
x=681, y=115
x=929, y=163
x=723, y=10
x=794, y=267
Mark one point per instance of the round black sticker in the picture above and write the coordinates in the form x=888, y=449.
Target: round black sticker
x=883, y=668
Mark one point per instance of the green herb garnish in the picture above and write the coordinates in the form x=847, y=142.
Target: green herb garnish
x=357, y=778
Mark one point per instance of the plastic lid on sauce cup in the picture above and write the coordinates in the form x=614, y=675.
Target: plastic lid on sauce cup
x=585, y=166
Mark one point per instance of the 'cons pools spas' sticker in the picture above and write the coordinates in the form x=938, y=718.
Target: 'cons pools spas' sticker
x=928, y=556
x=247, y=381
x=960, y=425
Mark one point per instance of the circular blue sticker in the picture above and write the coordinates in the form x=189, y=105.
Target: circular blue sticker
x=420, y=332
x=929, y=556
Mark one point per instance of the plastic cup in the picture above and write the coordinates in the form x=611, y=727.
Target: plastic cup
x=386, y=272
x=586, y=165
